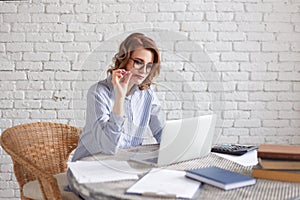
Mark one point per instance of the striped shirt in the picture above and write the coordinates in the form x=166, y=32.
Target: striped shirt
x=106, y=132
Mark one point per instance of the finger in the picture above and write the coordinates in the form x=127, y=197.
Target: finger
x=120, y=73
x=127, y=77
x=117, y=75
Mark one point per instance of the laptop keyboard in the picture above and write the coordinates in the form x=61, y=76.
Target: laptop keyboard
x=152, y=160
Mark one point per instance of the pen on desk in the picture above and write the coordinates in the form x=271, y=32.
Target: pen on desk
x=152, y=194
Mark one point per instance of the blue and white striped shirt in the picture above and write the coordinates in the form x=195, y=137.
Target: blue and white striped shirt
x=106, y=132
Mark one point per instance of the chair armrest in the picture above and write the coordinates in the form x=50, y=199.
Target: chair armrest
x=47, y=181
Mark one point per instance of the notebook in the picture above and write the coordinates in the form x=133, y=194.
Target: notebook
x=220, y=178
x=182, y=140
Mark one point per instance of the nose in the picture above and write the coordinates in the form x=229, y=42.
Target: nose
x=143, y=70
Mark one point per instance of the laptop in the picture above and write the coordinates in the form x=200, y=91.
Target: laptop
x=182, y=140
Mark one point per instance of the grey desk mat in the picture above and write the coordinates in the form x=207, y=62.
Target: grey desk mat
x=262, y=190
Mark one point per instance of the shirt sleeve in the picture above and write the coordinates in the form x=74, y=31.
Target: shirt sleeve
x=157, y=119
x=103, y=128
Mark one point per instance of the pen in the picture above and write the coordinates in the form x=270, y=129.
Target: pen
x=124, y=72
x=152, y=194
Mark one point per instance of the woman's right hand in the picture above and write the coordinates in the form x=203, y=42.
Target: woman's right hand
x=120, y=81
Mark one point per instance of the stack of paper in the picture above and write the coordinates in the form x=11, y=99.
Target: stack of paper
x=248, y=159
x=102, y=171
x=166, y=183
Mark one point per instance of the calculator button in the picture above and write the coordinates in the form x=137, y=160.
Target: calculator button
x=233, y=149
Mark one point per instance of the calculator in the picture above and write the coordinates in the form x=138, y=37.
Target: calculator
x=233, y=149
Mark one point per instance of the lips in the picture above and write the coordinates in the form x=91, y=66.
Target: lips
x=139, y=76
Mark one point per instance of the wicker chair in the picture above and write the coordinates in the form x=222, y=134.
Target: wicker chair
x=40, y=152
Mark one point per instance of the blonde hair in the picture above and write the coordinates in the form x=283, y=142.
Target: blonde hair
x=130, y=44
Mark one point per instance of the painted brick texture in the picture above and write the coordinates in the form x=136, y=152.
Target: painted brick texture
x=240, y=59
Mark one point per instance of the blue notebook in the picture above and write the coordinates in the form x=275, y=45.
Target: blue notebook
x=221, y=178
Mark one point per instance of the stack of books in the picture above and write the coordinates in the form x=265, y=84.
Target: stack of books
x=278, y=162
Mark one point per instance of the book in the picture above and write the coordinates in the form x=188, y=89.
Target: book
x=279, y=164
x=166, y=183
x=221, y=178
x=276, y=151
x=278, y=175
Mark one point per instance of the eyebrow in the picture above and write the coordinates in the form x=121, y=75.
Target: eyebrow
x=143, y=60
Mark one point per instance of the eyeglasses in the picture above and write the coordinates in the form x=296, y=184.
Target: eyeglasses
x=138, y=65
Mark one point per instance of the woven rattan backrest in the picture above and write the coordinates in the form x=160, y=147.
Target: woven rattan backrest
x=46, y=144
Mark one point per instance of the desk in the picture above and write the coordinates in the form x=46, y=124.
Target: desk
x=264, y=189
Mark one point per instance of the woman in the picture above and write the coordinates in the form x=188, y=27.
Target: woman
x=121, y=107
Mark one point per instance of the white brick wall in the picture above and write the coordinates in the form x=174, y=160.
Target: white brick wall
x=51, y=51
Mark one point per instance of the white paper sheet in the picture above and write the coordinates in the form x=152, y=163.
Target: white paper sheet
x=248, y=159
x=164, y=182
x=102, y=171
